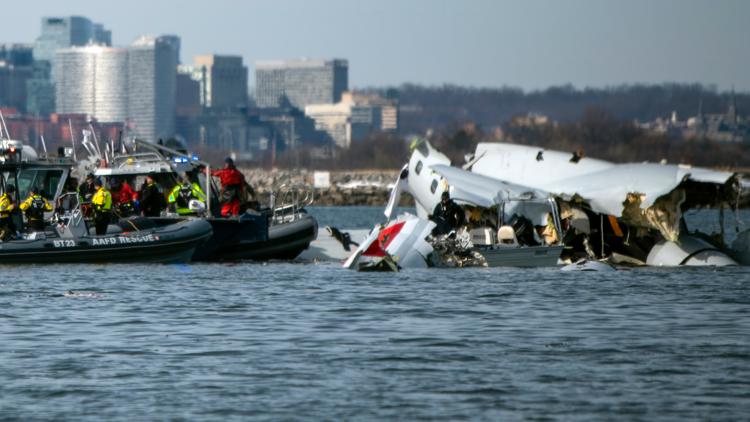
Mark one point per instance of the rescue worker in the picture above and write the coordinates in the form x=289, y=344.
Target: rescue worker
x=182, y=193
x=86, y=191
x=102, y=206
x=152, y=200
x=123, y=197
x=7, y=204
x=34, y=207
x=447, y=215
x=232, y=186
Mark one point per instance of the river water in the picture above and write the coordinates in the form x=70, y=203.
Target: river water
x=288, y=341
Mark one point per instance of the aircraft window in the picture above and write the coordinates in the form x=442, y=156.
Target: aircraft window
x=433, y=186
x=418, y=167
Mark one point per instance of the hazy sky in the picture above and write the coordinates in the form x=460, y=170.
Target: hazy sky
x=530, y=44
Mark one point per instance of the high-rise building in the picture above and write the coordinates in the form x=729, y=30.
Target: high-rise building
x=136, y=85
x=64, y=32
x=40, y=90
x=15, y=70
x=187, y=104
x=300, y=82
x=223, y=80
x=92, y=80
x=58, y=33
x=152, y=85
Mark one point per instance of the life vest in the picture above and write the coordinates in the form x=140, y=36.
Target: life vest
x=5, y=205
x=184, y=195
x=36, y=208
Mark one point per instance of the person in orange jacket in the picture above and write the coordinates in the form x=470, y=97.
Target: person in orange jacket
x=232, y=185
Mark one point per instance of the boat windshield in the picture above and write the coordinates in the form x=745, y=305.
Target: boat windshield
x=46, y=181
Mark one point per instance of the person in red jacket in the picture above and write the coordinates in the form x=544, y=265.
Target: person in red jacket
x=232, y=183
x=122, y=196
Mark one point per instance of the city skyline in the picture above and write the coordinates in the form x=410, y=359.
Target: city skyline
x=531, y=45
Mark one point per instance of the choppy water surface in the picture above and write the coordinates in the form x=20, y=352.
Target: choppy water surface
x=304, y=341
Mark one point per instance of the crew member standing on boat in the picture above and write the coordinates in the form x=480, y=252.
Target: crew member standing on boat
x=86, y=191
x=7, y=204
x=34, y=207
x=447, y=215
x=232, y=185
x=181, y=195
x=102, y=204
x=122, y=197
x=152, y=200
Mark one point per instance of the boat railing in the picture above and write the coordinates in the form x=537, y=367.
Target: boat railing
x=71, y=224
x=142, y=158
x=288, y=201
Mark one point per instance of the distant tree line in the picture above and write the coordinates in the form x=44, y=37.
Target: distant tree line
x=436, y=107
x=597, y=121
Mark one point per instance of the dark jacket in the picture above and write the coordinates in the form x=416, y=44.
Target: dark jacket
x=152, y=200
x=86, y=191
x=448, y=216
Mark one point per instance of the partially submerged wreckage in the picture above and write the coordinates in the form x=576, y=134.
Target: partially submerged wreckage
x=527, y=206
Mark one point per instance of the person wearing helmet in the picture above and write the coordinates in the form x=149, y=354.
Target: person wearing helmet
x=182, y=193
x=34, y=207
x=232, y=187
x=7, y=204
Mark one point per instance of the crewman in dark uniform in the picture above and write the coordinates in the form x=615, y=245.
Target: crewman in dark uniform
x=447, y=215
x=86, y=191
x=152, y=201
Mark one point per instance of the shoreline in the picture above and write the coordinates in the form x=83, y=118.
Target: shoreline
x=346, y=188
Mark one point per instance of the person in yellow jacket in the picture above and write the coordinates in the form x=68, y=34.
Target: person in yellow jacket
x=34, y=207
x=182, y=193
x=102, y=204
x=7, y=204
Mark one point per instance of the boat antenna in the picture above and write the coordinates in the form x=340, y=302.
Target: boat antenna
x=72, y=139
x=7, y=134
x=96, y=141
x=44, y=145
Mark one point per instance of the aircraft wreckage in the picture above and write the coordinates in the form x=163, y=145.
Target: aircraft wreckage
x=526, y=206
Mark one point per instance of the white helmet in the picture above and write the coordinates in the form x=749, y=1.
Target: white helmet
x=196, y=205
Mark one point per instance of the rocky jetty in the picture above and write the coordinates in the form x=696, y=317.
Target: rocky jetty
x=360, y=187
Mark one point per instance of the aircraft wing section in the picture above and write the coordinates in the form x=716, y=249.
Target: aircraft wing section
x=484, y=191
x=607, y=190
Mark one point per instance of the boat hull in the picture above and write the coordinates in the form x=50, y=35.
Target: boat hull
x=250, y=237
x=167, y=244
x=285, y=241
x=523, y=256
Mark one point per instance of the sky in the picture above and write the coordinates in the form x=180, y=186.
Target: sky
x=531, y=44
